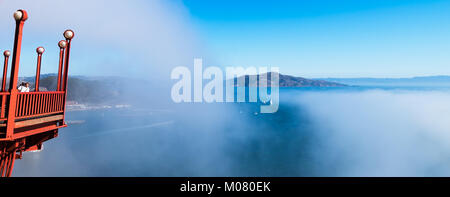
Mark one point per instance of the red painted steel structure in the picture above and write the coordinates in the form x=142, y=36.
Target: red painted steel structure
x=27, y=119
x=39, y=51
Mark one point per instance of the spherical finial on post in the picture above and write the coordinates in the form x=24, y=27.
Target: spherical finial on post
x=7, y=53
x=62, y=44
x=68, y=34
x=20, y=15
x=40, y=50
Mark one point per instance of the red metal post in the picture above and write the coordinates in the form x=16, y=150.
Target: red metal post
x=5, y=165
x=7, y=53
x=62, y=46
x=11, y=163
x=20, y=16
x=5, y=69
x=68, y=34
x=39, y=51
x=2, y=163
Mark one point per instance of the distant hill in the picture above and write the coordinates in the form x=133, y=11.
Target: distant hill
x=104, y=90
x=290, y=81
x=89, y=89
x=413, y=81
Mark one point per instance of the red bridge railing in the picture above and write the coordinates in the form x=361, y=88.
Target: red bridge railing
x=33, y=104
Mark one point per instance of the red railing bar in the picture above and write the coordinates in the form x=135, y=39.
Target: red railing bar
x=37, y=107
x=29, y=104
x=42, y=104
x=32, y=104
x=25, y=105
x=47, y=103
x=2, y=114
x=24, y=101
x=51, y=103
x=17, y=106
x=54, y=102
x=61, y=102
x=50, y=106
x=61, y=97
x=27, y=111
x=38, y=104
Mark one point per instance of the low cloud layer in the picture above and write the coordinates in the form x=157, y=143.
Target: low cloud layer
x=380, y=133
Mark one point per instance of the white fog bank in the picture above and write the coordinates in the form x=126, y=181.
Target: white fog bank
x=381, y=133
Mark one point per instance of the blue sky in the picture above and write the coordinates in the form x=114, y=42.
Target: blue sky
x=317, y=38
x=348, y=38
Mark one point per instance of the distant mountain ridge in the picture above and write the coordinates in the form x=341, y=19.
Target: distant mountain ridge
x=289, y=81
x=104, y=89
x=439, y=80
x=86, y=89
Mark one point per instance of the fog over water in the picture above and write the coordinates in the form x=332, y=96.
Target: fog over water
x=314, y=133
x=381, y=133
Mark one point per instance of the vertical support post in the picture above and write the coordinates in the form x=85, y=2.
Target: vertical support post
x=2, y=163
x=3, y=110
x=5, y=69
x=7, y=53
x=11, y=163
x=62, y=46
x=39, y=51
x=5, y=165
x=68, y=34
x=20, y=16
